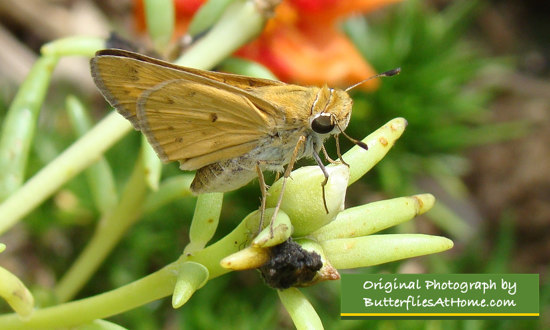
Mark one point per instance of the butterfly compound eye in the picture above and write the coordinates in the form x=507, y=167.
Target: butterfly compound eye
x=322, y=124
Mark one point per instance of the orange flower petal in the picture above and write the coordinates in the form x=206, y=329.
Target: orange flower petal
x=187, y=8
x=300, y=44
x=312, y=55
x=139, y=16
x=328, y=11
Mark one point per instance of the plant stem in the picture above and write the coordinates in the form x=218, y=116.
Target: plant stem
x=108, y=232
x=78, y=45
x=246, y=68
x=241, y=22
x=72, y=161
x=99, y=176
x=152, y=287
x=142, y=291
x=170, y=189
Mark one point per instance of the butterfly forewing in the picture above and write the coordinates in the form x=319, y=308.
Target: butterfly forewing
x=122, y=76
x=122, y=80
x=194, y=116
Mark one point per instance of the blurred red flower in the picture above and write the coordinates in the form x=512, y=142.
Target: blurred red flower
x=301, y=43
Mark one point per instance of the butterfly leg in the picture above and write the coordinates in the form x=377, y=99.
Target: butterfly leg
x=289, y=167
x=338, y=151
x=327, y=157
x=325, y=173
x=263, y=189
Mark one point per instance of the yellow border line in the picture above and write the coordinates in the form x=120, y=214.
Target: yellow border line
x=439, y=314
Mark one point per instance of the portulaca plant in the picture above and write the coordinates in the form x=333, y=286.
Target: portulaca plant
x=308, y=245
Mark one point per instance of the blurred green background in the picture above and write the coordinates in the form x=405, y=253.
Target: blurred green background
x=474, y=88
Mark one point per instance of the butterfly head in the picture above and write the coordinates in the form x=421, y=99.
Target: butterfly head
x=332, y=117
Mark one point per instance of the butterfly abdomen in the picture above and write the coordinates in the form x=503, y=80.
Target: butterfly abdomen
x=221, y=177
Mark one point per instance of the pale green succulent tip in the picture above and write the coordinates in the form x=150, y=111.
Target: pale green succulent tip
x=247, y=258
x=447, y=243
x=379, y=143
x=191, y=277
x=425, y=202
x=275, y=233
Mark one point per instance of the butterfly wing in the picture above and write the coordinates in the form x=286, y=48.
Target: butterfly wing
x=193, y=116
x=197, y=124
x=122, y=76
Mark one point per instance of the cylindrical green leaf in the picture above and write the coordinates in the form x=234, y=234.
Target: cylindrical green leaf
x=373, y=217
x=15, y=293
x=85, y=46
x=71, y=162
x=205, y=221
x=450, y=222
x=152, y=163
x=160, y=17
x=78, y=115
x=372, y=250
x=207, y=15
x=20, y=123
x=275, y=232
x=302, y=313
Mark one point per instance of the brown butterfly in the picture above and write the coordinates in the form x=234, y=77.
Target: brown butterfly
x=228, y=127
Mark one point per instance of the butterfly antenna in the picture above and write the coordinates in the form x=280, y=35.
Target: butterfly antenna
x=383, y=74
